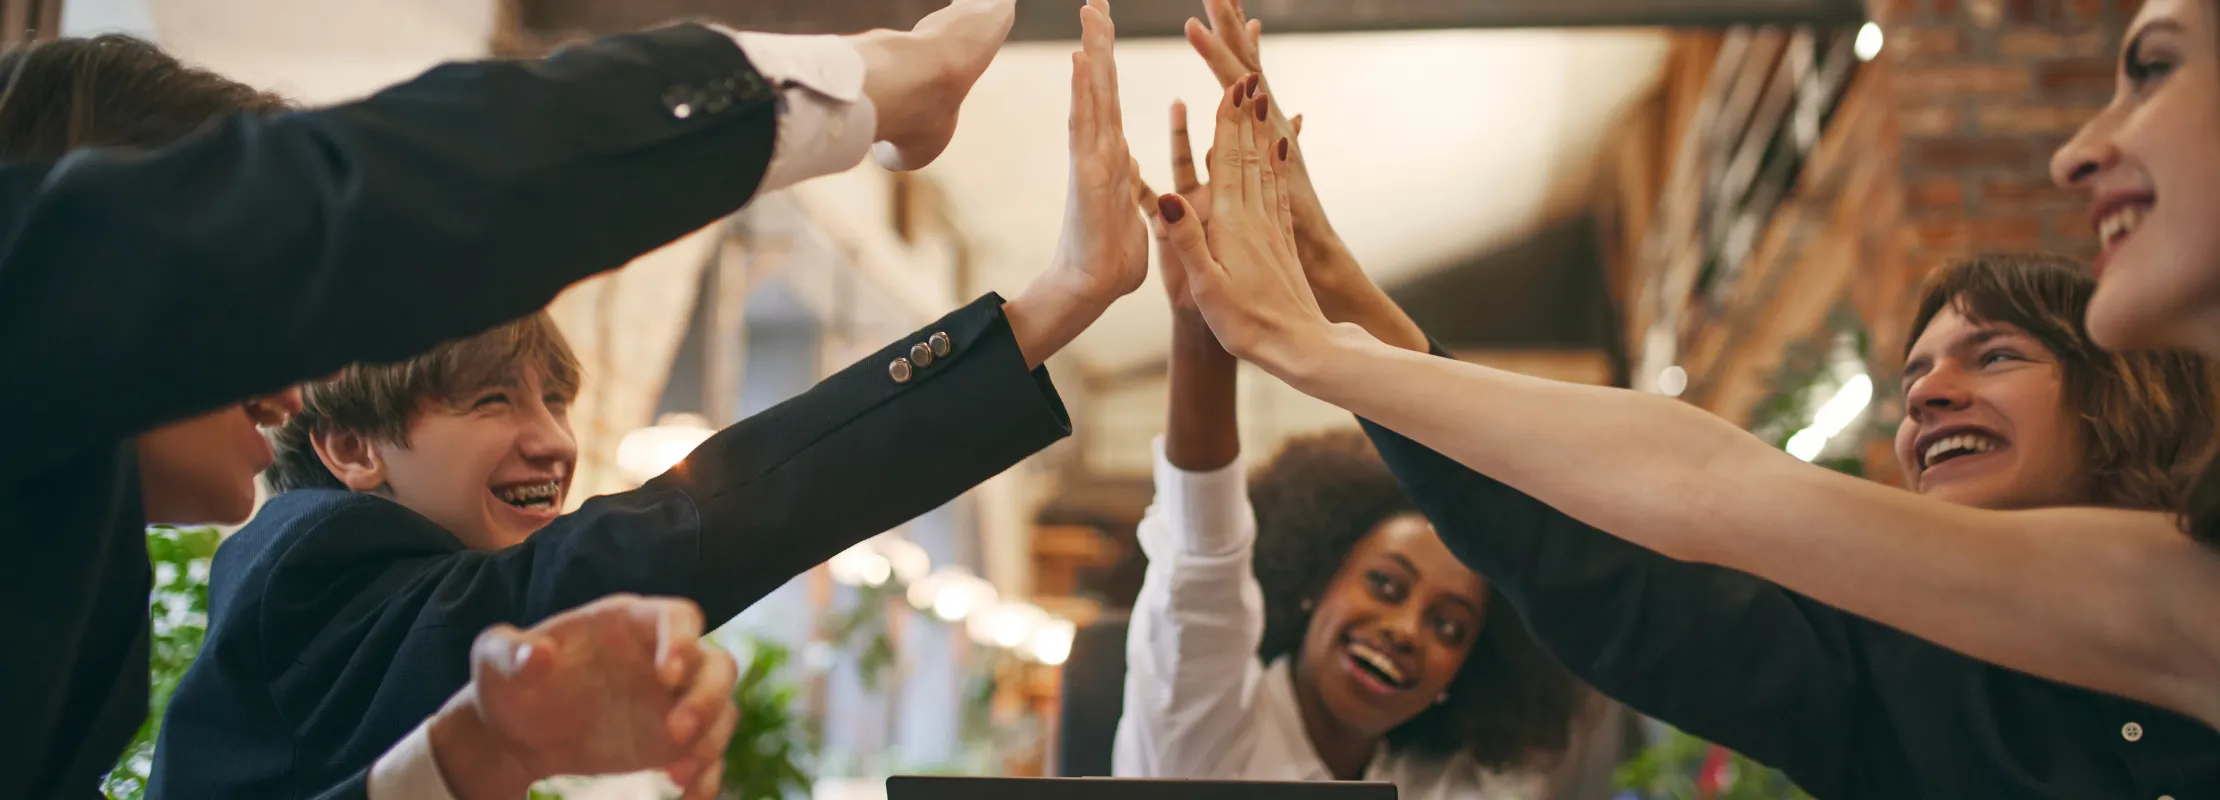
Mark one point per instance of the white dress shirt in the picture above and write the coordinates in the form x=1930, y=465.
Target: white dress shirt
x=1198, y=703
x=825, y=125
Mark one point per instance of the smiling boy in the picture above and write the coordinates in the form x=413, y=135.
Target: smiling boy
x=423, y=498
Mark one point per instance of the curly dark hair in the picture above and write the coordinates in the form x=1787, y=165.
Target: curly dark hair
x=1511, y=704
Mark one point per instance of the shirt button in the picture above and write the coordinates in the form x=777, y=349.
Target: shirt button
x=2165, y=797
x=941, y=343
x=921, y=355
x=899, y=370
x=2131, y=732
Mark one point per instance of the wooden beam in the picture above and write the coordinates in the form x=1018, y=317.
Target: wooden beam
x=23, y=21
x=549, y=21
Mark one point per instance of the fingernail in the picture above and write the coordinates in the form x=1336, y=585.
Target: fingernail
x=1237, y=97
x=519, y=657
x=1170, y=207
x=1253, y=81
x=1283, y=148
x=1262, y=103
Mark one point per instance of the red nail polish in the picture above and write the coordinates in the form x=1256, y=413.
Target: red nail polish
x=1237, y=97
x=1170, y=207
x=1262, y=105
x=1283, y=148
x=1254, y=79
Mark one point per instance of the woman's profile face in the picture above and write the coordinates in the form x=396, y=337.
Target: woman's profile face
x=1392, y=628
x=2150, y=164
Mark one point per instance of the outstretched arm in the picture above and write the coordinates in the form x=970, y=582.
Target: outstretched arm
x=263, y=251
x=1191, y=661
x=2113, y=600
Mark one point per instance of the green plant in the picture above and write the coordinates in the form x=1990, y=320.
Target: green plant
x=1683, y=767
x=179, y=608
x=868, y=620
x=767, y=755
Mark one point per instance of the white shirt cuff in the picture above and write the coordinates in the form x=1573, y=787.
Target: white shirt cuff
x=408, y=771
x=826, y=124
x=1206, y=513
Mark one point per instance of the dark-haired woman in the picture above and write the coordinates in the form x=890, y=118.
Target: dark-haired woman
x=1313, y=627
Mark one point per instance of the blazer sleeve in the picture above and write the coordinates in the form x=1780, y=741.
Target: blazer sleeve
x=138, y=287
x=766, y=499
x=1720, y=654
x=755, y=505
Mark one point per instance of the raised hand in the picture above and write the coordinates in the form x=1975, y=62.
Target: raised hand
x=1241, y=266
x=1103, y=239
x=1231, y=45
x=1197, y=193
x=917, y=79
x=621, y=685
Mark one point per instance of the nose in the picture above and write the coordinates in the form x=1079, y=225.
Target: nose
x=546, y=437
x=1401, y=628
x=2085, y=156
x=1943, y=389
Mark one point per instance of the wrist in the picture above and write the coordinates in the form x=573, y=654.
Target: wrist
x=1311, y=359
x=471, y=756
x=1191, y=334
x=1052, y=310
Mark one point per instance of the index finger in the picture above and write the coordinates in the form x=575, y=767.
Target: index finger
x=1184, y=179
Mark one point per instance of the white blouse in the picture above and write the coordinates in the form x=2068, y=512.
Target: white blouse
x=1198, y=703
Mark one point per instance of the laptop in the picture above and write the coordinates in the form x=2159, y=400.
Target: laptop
x=908, y=787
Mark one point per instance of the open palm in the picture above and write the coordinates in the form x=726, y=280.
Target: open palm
x=1104, y=238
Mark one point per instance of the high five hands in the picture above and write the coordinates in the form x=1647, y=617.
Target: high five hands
x=1241, y=265
x=1103, y=239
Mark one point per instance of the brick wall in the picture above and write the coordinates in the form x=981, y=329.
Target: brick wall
x=1984, y=91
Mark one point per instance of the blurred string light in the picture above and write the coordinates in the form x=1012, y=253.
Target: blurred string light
x=1007, y=625
x=1868, y=44
x=1838, y=412
x=883, y=558
x=952, y=594
x=653, y=450
x=861, y=565
x=1051, y=642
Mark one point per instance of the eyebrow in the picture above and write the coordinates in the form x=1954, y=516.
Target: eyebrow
x=1919, y=365
x=2160, y=24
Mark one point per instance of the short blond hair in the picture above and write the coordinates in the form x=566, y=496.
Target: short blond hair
x=379, y=400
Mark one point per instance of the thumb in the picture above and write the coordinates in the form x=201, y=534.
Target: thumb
x=505, y=653
x=1187, y=237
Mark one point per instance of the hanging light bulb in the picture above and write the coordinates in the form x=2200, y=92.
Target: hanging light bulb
x=653, y=450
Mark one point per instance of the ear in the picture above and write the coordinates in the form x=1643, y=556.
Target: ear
x=353, y=457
